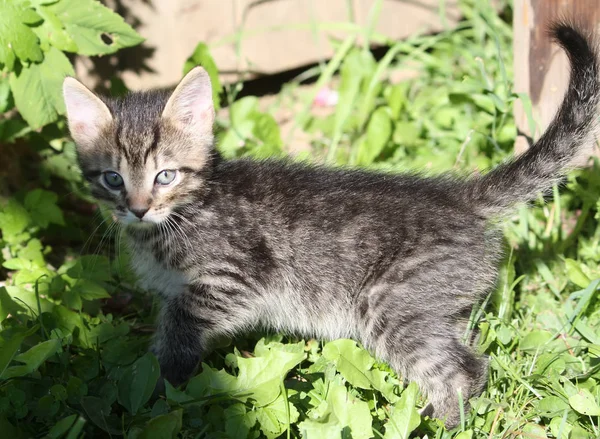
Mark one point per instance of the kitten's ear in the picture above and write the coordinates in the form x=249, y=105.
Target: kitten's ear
x=87, y=115
x=190, y=107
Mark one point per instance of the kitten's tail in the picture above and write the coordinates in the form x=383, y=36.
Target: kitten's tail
x=566, y=141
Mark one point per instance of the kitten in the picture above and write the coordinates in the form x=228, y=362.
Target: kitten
x=394, y=261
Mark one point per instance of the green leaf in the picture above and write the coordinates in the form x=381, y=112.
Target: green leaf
x=262, y=374
x=14, y=219
x=16, y=38
x=138, y=382
x=202, y=57
x=99, y=413
x=8, y=305
x=351, y=412
x=37, y=88
x=379, y=132
x=552, y=406
x=585, y=403
x=32, y=359
x=89, y=290
x=52, y=31
x=534, y=341
x=61, y=427
x=406, y=133
x=351, y=361
x=91, y=267
x=91, y=27
x=164, y=426
x=404, y=418
x=42, y=207
x=576, y=275
x=238, y=421
x=10, y=344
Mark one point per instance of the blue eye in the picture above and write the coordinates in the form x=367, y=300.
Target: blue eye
x=113, y=180
x=165, y=177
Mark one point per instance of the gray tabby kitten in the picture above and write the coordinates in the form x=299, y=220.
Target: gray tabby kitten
x=394, y=261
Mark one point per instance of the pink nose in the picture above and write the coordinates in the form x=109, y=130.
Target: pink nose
x=139, y=212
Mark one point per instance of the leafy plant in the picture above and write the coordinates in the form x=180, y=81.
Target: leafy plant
x=74, y=328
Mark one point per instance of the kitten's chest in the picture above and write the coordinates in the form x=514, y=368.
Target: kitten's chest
x=153, y=273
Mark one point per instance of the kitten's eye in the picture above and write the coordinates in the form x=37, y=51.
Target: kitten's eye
x=113, y=179
x=165, y=177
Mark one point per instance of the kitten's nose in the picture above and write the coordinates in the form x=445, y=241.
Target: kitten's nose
x=139, y=212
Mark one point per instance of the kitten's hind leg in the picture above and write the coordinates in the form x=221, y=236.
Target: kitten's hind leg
x=429, y=353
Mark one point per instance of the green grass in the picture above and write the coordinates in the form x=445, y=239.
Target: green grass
x=74, y=363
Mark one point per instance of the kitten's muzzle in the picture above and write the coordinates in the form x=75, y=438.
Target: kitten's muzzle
x=139, y=212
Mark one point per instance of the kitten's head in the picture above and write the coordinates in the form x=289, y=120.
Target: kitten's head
x=147, y=153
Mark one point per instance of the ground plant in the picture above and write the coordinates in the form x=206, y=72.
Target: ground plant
x=75, y=328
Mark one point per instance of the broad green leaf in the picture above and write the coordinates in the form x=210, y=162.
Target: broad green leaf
x=531, y=430
x=89, y=290
x=91, y=267
x=32, y=359
x=351, y=412
x=10, y=344
x=552, y=406
x=535, y=341
x=138, y=382
x=238, y=421
x=42, y=207
x=8, y=305
x=211, y=382
x=164, y=426
x=585, y=403
x=261, y=375
x=52, y=31
x=14, y=219
x=93, y=28
x=61, y=427
x=576, y=275
x=17, y=40
x=404, y=417
x=266, y=130
x=37, y=89
x=560, y=428
x=202, y=57
x=379, y=132
x=99, y=413
x=352, y=362
x=406, y=133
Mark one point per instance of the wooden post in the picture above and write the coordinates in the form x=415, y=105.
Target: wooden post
x=541, y=68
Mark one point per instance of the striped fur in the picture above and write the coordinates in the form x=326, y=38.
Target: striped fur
x=394, y=261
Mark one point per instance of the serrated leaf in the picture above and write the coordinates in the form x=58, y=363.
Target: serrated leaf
x=52, y=32
x=17, y=40
x=351, y=361
x=37, y=88
x=42, y=207
x=14, y=219
x=238, y=421
x=93, y=28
